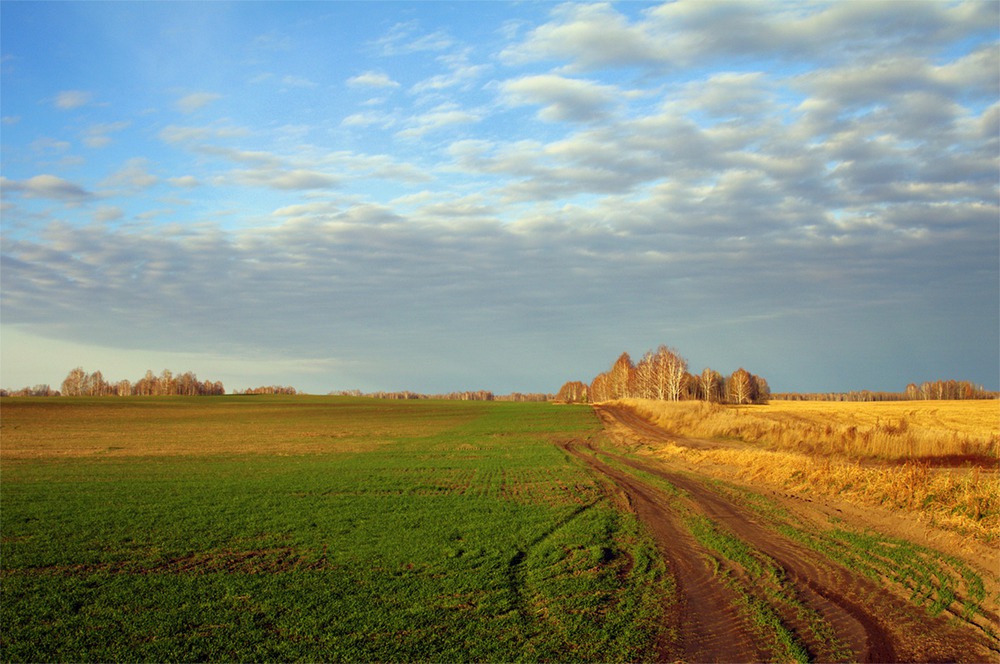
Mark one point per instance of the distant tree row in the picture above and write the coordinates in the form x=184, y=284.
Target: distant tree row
x=269, y=389
x=36, y=391
x=663, y=374
x=475, y=395
x=79, y=383
x=938, y=389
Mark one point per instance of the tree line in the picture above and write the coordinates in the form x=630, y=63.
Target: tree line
x=928, y=390
x=269, y=389
x=468, y=395
x=663, y=374
x=79, y=383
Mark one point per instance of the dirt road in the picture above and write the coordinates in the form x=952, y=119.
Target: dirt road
x=730, y=611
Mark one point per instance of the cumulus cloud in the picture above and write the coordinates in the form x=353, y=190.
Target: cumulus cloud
x=674, y=34
x=408, y=37
x=70, y=99
x=186, y=181
x=195, y=101
x=46, y=186
x=443, y=116
x=374, y=79
x=99, y=135
x=285, y=179
x=590, y=36
x=133, y=176
x=562, y=99
x=108, y=213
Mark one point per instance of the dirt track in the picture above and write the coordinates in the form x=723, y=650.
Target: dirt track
x=860, y=619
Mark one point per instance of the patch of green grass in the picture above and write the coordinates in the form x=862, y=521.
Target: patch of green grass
x=366, y=530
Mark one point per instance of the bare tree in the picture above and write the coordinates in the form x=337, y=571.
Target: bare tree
x=739, y=387
x=674, y=372
x=621, y=377
x=710, y=385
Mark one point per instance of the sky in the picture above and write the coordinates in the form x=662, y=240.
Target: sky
x=442, y=196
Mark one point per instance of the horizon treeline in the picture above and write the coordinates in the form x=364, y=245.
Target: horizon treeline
x=79, y=383
x=663, y=375
x=468, y=395
x=929, y=390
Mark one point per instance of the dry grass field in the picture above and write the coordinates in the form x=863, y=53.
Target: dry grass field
x=941, y=431
x=936, y=459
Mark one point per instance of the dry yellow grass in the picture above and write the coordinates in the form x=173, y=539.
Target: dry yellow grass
x=893, y=431
x=834, y=449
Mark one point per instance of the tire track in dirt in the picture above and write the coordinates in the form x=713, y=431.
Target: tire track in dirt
x=706, y=621
x=877, y=625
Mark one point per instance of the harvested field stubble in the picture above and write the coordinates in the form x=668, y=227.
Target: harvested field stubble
x=954, y=431
x=771, y=450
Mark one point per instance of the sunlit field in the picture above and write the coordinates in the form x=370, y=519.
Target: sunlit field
x=937, y=459
x=900, y=430
x=332, y=529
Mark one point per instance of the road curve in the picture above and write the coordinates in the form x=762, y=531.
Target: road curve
x=863, y=620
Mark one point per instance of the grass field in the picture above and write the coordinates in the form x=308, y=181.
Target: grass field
x=317, y=528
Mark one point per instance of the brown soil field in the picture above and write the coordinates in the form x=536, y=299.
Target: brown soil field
x=872, y=619
x=186, y=426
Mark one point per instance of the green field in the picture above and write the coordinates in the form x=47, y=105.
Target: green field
x=314, y=528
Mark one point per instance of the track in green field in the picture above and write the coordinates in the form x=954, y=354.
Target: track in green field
x=273, y=528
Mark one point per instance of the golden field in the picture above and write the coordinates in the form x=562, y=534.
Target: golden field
x=889, y=431
x=934, y=459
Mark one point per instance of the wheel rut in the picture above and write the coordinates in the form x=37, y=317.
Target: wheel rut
x=706, y=626
x=870, y=621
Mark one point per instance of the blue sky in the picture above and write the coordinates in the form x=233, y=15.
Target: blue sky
x=505, y=196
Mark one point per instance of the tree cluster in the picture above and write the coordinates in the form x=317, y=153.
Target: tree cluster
x=663, y=374
x=948, y=389
x=79, y=383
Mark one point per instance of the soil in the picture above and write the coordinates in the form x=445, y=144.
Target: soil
x=872, y=620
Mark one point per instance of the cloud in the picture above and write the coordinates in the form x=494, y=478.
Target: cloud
x=407, y=290
x=70, y=99
x=132, y=177
x=374, y=79
x=179, y=134
x=186, y=181
x=98, y=135
x=590, y=36
x=407, y=37
x=108, y=213
x=47, y=186
x=369, y=119
x=195, y=101
x=298, y=82
x=441, y=117
x=678, y=34
x=461, y=72
x=562, y=99
x=285, y=179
